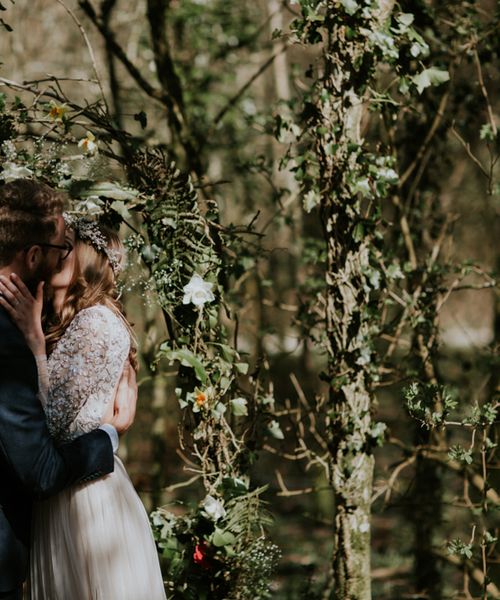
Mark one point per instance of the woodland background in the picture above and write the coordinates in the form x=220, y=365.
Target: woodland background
x=224, y=89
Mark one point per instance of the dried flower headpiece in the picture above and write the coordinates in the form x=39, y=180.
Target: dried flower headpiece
x=89, y=231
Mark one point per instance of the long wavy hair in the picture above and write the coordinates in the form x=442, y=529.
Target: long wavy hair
x=93, y=282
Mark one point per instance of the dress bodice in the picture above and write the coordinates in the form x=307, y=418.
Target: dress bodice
x=84, y=370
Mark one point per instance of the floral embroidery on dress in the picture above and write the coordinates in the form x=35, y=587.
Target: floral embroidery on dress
x=83, y=370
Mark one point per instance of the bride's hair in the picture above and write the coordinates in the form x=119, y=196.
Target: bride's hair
x=93, y=282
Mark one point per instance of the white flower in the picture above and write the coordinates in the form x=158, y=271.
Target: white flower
x=213, y=508
x=239, y=406
x=198, y=291
x=12, y=171
x=388, y=174
x=88, y=145
x=275, y=430
x=9, y=149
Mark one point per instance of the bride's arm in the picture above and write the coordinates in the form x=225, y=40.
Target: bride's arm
x=85, y=368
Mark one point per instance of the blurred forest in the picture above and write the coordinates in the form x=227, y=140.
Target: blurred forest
x=232, y=93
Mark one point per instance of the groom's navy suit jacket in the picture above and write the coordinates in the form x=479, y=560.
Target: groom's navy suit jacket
x=31, y=466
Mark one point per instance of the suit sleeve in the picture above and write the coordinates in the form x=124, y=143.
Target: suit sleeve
x=43, y=468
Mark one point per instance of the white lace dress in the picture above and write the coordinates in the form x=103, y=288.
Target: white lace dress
x=92, y=541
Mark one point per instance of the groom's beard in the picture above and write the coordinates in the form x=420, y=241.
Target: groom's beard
x=43, y=273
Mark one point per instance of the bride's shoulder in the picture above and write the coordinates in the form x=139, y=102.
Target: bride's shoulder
x=97, y=316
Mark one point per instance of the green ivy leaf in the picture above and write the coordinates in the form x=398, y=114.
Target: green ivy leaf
x=350, y=6
x=188, y=359
x=487, y=133
x=311, y=200
x=428, y=77
x=239, y=407
x=222, y=538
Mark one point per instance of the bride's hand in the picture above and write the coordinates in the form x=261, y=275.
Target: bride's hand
x=25, y=310
x=121, y=410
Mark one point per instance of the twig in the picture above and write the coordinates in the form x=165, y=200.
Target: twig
x=57, y=79
x=394, y=476
x=244, y=88
x=430, y=134
x=476, y=574
x=176, y=486
x=405, y=229
x=286, y=492
x=89, y=47
x=466, y=147
x=485, y=92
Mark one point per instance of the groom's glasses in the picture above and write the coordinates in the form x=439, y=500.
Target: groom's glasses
x=65, y=250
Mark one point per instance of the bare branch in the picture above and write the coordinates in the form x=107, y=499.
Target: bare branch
x=247, y=84
x=89, y=47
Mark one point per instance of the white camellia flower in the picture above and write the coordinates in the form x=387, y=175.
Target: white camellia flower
x=213, y=508
x=88, y=145
x=12, y=171
x=197, y=291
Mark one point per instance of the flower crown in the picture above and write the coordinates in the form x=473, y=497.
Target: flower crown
x=89, y=231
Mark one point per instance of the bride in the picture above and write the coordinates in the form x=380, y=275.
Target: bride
x=92, y=541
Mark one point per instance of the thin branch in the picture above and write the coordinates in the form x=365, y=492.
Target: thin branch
x=89, y=47
x=120, y=54
x=491, y=117
x=476, y=574
x=428, y=138
x=286, y=492
x=466, y=147
x=405, y=229
x=182, y=484
x=245, y=87
x=392, y=480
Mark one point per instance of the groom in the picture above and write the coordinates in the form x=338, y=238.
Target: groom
x=32, y=245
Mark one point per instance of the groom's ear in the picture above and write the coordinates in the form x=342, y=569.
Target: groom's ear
x=33, y=257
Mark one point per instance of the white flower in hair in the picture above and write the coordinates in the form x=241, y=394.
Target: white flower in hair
x=89, y=232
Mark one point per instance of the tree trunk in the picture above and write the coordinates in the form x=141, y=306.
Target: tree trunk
x=349, y=63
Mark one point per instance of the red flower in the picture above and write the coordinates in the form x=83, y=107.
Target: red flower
x=200, y=555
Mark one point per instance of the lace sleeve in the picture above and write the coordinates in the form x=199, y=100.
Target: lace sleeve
x=84, y=370
x=43, y=378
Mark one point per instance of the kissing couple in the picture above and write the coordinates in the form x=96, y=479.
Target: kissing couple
x=71, y=522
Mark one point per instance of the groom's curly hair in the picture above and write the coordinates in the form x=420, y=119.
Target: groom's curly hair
x=28, y=211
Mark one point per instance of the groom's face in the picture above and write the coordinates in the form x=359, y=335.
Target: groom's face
x=48, y=260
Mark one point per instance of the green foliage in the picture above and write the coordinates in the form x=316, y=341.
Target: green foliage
x=461, y=454
x=218, y=550
x=176, y=244
x=422, y=399
x=459, y=548
x=379, y=186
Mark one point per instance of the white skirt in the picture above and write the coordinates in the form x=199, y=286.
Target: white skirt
x=94, y=542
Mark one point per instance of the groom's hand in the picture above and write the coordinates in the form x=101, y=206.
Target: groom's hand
x=121, y=412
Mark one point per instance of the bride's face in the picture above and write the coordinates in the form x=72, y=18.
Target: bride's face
x=62, y=279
